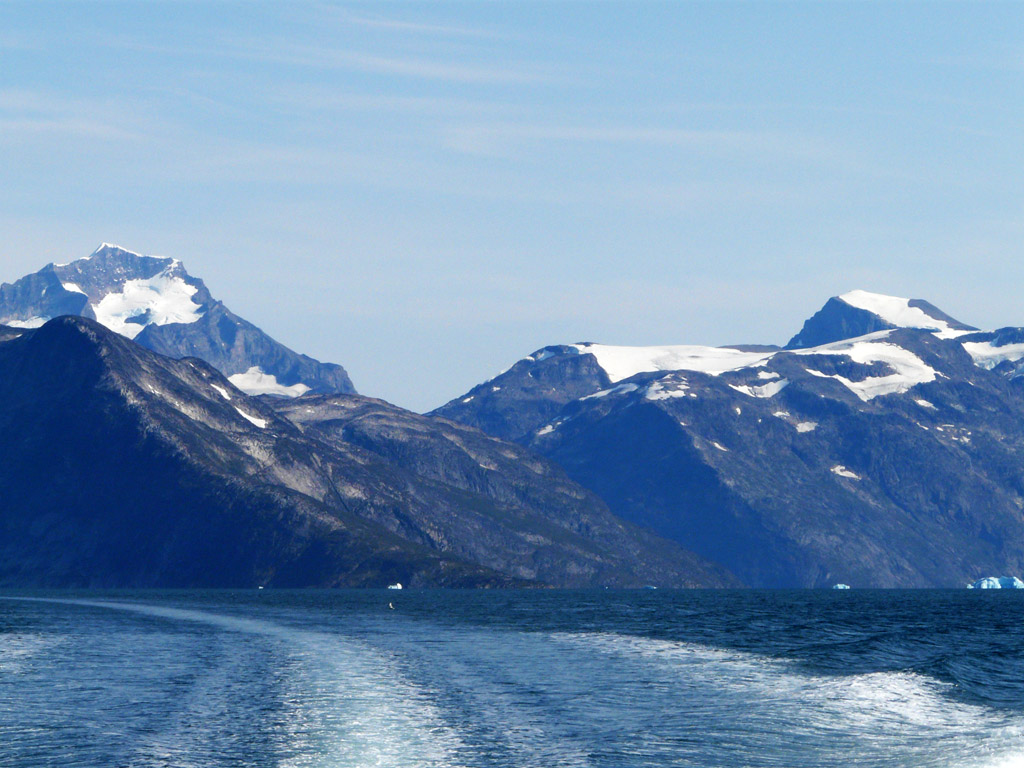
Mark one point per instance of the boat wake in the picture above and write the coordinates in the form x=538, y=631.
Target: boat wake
x=155, y=685
x=752, y=710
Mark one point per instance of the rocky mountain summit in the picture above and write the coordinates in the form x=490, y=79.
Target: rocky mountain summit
x=858, y=313
x=884, y=446
x=158, y=304
x=124, y=467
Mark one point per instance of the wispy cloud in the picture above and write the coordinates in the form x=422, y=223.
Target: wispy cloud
x=329, y=57
x=420, y=68
x=419, y=28
x=9, y=129
x=26, y=114
x=320, y=98
x=491, y=138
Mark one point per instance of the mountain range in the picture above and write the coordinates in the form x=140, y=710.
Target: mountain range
x=124, y=467
x=882, y=446
x=154, y=438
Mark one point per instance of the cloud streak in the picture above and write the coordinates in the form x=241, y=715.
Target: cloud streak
x=319, y=56
x=419, y=28
x=25, y=114
x=496, y=138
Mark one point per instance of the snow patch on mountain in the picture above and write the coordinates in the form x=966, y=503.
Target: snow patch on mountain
x=622, y=362
x=909, y=369
x=255, y=382
x=32, y=322
x=223, y=392
x=261, y=423
x=987, y=355
x=771, y=389
x=664, y=390
x=897, y=311
x=619, y=390
x=100, y=247
x=158, y=300
x=112, y=246
x=72, y=287
x=842, y=471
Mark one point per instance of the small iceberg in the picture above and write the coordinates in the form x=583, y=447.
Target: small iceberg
x=398, y=585
x=840, y=586
x=997, y=582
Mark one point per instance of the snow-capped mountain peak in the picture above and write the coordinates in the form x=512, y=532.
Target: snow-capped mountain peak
x=112, y=247
x=860, y=312
x=156, y=302
x=905, y=313
x=102, y=247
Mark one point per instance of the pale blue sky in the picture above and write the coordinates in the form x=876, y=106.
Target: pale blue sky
x=426, y=192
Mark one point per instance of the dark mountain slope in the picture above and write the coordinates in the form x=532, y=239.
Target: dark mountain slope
x=514, y=479
x=114, y=472
x=123, y=467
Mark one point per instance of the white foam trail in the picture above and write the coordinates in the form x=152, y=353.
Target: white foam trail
x=1009, y=761
x=907, y=716
x=17, y=650
x=508, y=684
x=349, y=706
x=428, y=696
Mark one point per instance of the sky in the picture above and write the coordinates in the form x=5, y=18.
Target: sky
x=426, y=192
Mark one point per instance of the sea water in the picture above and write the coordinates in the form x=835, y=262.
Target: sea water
x=512, y=678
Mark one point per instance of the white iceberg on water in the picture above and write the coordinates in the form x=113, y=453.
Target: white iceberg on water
x=997, y=582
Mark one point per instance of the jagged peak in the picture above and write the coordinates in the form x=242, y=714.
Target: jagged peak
x=100, y=249
x=859, y=312
x=112, y=247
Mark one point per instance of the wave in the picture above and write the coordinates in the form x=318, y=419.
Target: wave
x=769, y=711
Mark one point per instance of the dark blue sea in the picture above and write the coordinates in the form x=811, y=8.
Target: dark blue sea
x=531, y=678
